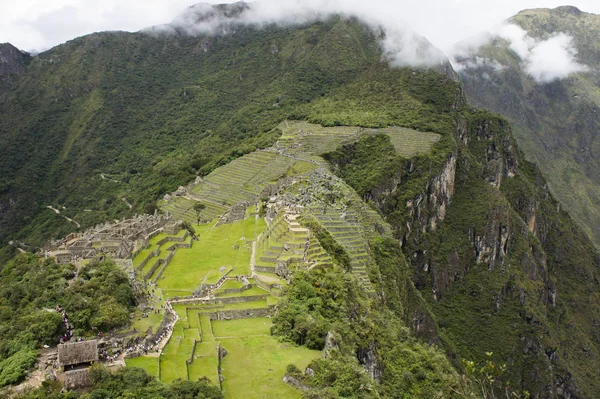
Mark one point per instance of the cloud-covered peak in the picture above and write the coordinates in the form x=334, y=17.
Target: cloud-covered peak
x=401, y=45
x=544, y=60
x=554, y=58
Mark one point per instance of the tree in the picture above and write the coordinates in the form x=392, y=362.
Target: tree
x=188, y=226
x=485, y=380
x=198, y=208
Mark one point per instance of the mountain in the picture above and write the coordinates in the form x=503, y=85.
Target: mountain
x=556, y=122
x=446, y=252
x=12, y=64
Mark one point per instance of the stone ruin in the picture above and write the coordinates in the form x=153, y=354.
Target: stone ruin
x=119, y=240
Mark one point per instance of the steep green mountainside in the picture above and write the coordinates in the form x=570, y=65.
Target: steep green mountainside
x=12, y=64
x=417, y=219
x=555, y=123
x=501, y=267
x=112, y=119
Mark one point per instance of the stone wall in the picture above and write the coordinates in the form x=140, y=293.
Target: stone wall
x=274, y=288
x=153, y=268
x=265, y=269
x=150, y=256
x=235, y=290
x=165, y=263
x=173, y=239
x=241, y=314
x=221, y=301
x=180, y=245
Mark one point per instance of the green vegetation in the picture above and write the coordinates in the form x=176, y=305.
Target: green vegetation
x=329, y=244
x=268, y=359
x=99, y=298
x=218, y=247
x=483, y=299
x=313, y=308
x=128, y=382
x=148, y=363
x=555, y=123
x=129, y=126
x=367, y=162
x=469, y=255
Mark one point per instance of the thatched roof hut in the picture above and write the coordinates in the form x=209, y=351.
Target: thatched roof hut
x=72, y=353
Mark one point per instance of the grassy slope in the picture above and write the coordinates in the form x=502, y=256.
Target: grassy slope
x=555, y=123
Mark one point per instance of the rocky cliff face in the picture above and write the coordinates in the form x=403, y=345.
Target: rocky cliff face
x=555, y=122
x=12, y=65
x=495, y=259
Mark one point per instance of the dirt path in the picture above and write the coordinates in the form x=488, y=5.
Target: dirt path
x=253, y=256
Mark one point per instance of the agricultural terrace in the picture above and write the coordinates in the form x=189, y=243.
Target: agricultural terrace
x=302, y=137
x=266, y=215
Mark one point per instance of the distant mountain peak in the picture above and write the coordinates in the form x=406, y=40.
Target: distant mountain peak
x=12, y=64
x=567, y=10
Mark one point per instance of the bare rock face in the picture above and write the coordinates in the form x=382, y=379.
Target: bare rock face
x=12, y=64
x=368, y=358
x=331, y=345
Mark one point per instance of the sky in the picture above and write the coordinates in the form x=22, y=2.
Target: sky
x=37, y=25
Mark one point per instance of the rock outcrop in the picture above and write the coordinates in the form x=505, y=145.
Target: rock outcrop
x=12, y=64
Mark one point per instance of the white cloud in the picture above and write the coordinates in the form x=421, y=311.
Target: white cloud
x=519, y=41
x=473, y=62
x=41, y=24
x=401, y=45
x=544, y=60
x=553, y=59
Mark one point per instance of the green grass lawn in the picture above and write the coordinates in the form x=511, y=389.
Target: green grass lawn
x=143, y=254
x=217, y=247
x=242, y=327
x=231, y=284
x=205, y=366
x=193, y=319
x=272, y=300
x=246, y=305
x=206, y=329
x=181, y=311
x=248, y=341
x=255, y=366
x=176, y=352
x=409, y=142
x=148, y=363
x=300, y=167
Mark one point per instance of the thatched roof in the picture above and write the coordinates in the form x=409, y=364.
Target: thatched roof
x=77, y=379
x=77, y=352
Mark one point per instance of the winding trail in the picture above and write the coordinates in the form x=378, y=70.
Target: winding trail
x=63, y=216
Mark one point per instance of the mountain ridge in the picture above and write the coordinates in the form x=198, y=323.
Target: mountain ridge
x=478, y=257
x=554, y=122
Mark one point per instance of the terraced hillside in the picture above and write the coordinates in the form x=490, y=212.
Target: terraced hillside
x=268, y=214
x=300, y=137
x=238, y=182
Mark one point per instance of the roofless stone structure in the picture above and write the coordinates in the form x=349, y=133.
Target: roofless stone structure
x=119, y=240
